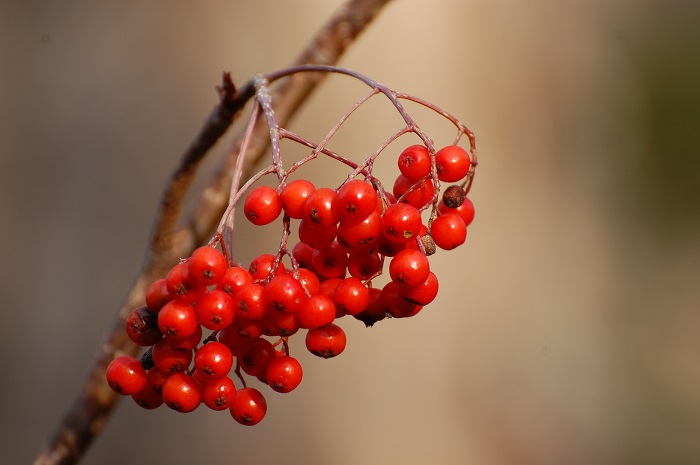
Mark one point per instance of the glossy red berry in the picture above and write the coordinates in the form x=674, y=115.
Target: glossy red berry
x=182, y=393
x=330, y=262
x=323, y=208
x=326, y=342
x=422, y=294
x=362, y=233
x=401, y=223
x=294, y=196
x=215, y=310
x=418, y=196
x=309, y=280
x=284, y=294
x=213, y=360
x=284, y=374
x=394, y=304
x=157, y=295
x=414, y=162
x=234, y=279
x=316, y=235
x=248, y=407
x=207, y=266
x=465, y=210
x=125, y=375
x=302, y=254
x=181, y=285
x=169, y=358
x=281, y=324
x=258, y=357
x=262, y=266
x=452, y=163
x=178, y=319
x=448, y=231
x=356, y=200
x=363, y=264
x=262, y=206
x=410, y=268
x=375, y=310
x=249, y=303
x=316, y=311
x=351, y=296
x=218, y=394
x=148, y=397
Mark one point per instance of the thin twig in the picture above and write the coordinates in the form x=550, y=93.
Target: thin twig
x=89, y=411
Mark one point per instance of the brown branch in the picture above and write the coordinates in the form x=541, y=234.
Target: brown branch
x=90, y=409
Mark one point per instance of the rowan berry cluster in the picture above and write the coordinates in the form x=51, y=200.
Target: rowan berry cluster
x=345, y=235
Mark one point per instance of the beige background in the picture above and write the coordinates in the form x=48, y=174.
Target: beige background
x=567, y=328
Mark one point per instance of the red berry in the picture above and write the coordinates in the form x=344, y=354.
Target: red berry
x=258, y=357
x=207, y=266
x=414, y=162
x=182, y=393
x=181, y=285
x=261, y=267
x=323, y=208
x=302, y=254
x=363, y=233
x=236, y=343
x=309, y=280
x=249, y=303
x=363, y=264
x=375, y=310
x=250, y=329
x=356, y=200
x=284, y=293
x=452, y=163
x=215, y=310
x=167, y=357
x=189, y=342
x=213, y=360
x=394, y=304
x=234, y=279
x=178, y=319
x=417, y=196
x=281, y=324
x=316, y=311
x=125, y=375
x=448, y=231
x=262, y=206
x=218, y=394
x=422, y=294
x=465, y=210
x=248, y=407
x=294, y=196
x=316, y=235
x=284, y=374
x=157, y=295
x=351, y=296
x=410, y=268
x=330, y=262
x=326, y=342
x=401, y=223
x=148, y=398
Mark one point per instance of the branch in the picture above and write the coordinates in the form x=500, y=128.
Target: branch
x=89, y=411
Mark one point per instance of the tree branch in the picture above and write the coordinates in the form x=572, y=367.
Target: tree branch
x=89, y=411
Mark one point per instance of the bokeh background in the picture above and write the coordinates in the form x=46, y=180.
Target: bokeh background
x=567, y=329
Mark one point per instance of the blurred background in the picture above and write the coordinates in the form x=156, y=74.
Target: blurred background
x=567, y=329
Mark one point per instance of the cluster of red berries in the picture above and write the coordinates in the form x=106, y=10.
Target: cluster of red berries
x=345, y=234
